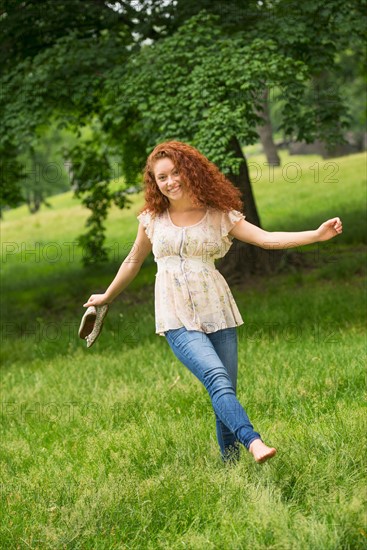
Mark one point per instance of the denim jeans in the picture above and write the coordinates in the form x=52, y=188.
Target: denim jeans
x=212, y=358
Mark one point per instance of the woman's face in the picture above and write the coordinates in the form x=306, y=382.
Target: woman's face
x=168, y=179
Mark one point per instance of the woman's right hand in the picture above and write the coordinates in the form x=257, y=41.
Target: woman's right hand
x=96, y=300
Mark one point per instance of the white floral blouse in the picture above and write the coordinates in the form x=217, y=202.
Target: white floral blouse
x=189, y=290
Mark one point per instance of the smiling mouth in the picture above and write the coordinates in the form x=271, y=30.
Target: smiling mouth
x=174, y=189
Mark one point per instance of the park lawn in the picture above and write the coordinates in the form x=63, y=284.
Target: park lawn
x=114, y=447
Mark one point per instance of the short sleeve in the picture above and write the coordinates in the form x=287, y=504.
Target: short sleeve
x=147, y=220
x=228, y=221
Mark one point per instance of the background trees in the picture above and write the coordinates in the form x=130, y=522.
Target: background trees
x=140, y=72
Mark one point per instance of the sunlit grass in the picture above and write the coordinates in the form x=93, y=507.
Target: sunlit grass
x=114, y=447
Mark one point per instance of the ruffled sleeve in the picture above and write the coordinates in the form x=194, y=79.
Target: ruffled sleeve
x=147, y=220
x=228, y=221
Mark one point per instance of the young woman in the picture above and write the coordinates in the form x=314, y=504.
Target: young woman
x=191, y=214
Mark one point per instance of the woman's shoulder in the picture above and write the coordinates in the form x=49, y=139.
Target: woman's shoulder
x=144, y=217
x=219, y=214
x=222, y=221
x=147, y=214
x=150, y=220
x=149, y=217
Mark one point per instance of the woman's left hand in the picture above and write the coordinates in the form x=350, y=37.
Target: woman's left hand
x=329, y=229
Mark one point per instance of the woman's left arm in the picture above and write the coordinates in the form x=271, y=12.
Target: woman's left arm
x=249, y=233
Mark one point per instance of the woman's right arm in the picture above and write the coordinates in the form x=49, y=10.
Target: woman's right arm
x=130, y=267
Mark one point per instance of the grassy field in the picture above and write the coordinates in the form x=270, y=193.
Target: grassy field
x=114, y=447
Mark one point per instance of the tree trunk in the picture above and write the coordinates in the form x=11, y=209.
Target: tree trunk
x=242, y=181
x=34, y=201
x=244, y=259
x=265, y=131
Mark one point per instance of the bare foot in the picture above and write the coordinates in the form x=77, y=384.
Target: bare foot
x=260, y=451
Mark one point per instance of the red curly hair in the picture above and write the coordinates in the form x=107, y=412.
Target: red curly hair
x=204, y=182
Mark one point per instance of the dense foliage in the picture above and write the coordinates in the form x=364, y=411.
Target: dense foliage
x=140, y=72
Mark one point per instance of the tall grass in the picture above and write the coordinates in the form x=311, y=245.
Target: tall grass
x=114, y=447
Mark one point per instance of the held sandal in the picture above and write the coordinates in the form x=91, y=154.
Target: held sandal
x=87, y=323
x=92, y=323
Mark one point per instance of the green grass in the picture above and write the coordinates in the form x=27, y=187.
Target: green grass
x=114, y=447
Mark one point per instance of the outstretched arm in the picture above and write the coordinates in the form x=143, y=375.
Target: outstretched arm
x=249, y=233
x=129, y=269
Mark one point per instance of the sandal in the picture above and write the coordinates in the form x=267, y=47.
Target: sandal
x=87, y=324
x=98, y=324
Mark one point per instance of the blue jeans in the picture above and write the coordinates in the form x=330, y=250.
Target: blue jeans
x=212, y=358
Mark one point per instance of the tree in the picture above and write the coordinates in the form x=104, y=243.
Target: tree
x=52, y=70
x=45, y=171
x=265, y=131
x=52, y=57
x=202, y=86
x=11, y=176
x=78, y=62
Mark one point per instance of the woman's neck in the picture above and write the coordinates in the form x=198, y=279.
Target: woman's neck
x=184, y=205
